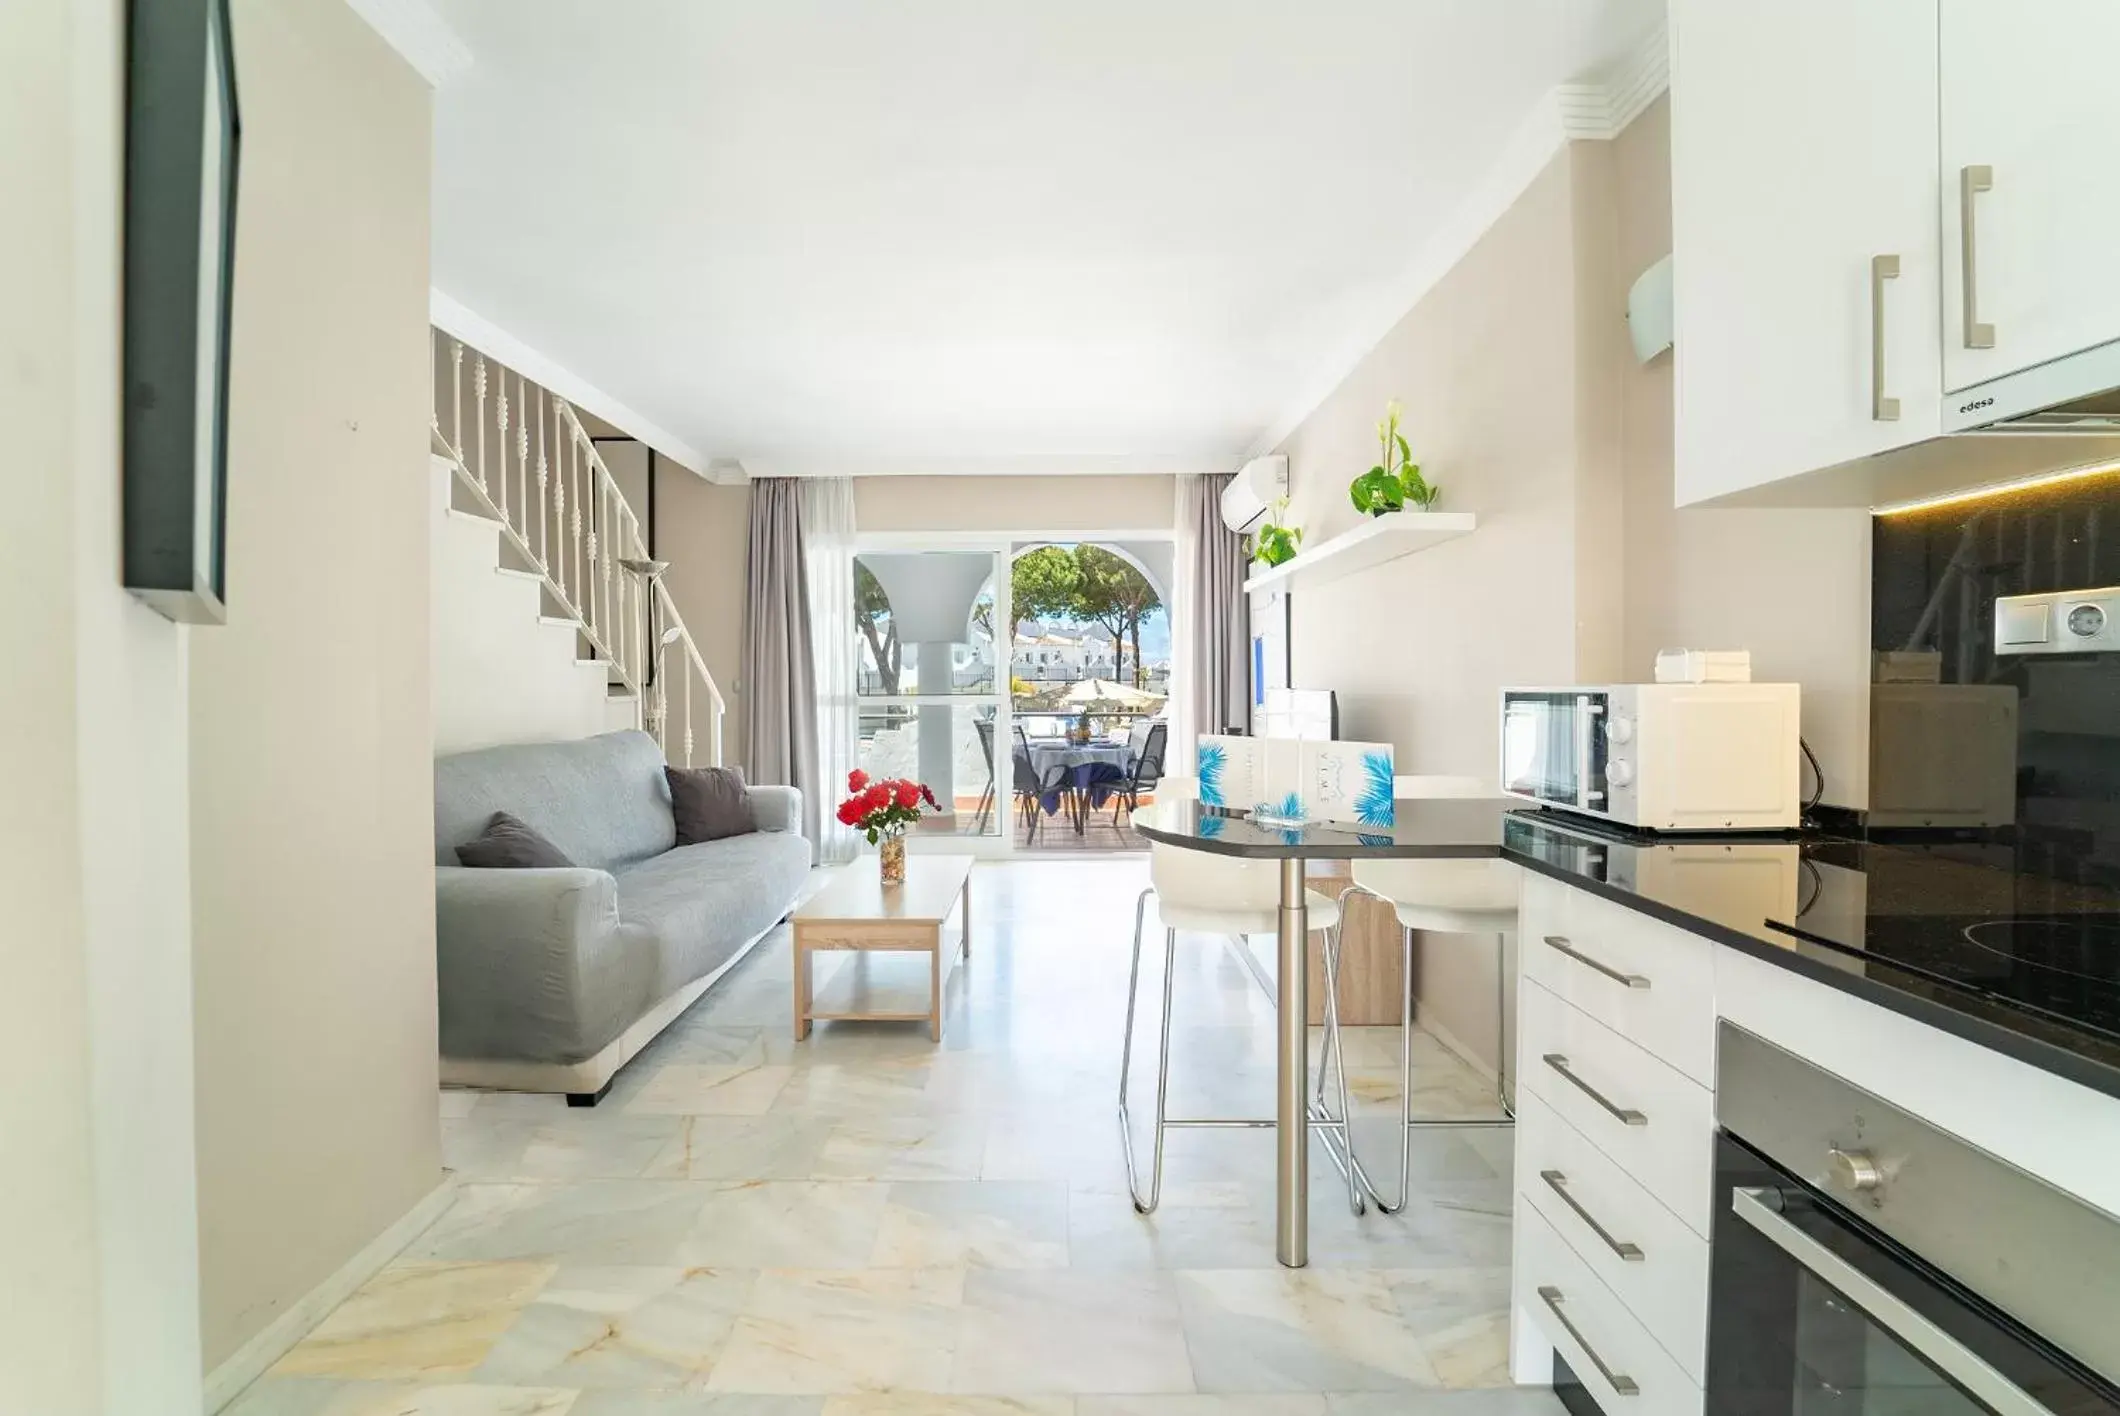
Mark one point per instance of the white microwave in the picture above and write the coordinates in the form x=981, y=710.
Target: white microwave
x=1659, y=756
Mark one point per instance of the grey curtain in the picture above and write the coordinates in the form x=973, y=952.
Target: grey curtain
x=780, y=738
x=1221, y=640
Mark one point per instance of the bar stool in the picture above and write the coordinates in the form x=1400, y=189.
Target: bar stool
x=1469, y=897
x=1213, y=894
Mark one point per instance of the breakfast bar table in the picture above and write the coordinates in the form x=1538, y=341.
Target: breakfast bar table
x=1431, y=828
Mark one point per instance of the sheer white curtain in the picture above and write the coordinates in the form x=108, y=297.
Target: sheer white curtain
x=1184, y=605
x=828, y=560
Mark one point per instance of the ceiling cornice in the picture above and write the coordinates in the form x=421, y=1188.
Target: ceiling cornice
x=1596, y=110
x=416, y=30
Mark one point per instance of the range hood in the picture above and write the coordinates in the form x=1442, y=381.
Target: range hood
x=2075, y=395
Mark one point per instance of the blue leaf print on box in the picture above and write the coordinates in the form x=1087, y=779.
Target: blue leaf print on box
x=1373, y=807
x=1212, y=759
x=1288, y=808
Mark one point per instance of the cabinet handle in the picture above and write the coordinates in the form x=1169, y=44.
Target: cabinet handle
x=1561, y=943
x=1558, y=1183
x=1620, y=1381
x=1883, y=407
x=1559, y=1063
x=1972, y=180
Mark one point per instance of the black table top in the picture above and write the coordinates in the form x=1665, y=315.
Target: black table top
x=1432, y=827
x=1951, y=935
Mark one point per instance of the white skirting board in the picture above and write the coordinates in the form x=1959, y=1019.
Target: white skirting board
x=251, y=1361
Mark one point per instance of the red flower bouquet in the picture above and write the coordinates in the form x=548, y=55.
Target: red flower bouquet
x=881, y=810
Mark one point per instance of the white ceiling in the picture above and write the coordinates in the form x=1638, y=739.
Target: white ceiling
x=846, y=235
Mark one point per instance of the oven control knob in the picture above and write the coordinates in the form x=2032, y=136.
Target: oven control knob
x=1620, y=730
x=1619, y=771
x=1854, y=1170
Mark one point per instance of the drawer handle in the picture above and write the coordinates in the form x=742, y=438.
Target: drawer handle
x=1558, y=1183
x=1560, y=943
x=1559, y=1063
x=1620, y=1381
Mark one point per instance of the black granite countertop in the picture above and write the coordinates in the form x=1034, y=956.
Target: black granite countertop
x=1951, y=935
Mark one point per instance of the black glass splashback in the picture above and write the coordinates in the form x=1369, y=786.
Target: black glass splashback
x=1969, y=737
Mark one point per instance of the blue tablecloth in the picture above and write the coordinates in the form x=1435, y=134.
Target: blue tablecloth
x=1094, y=769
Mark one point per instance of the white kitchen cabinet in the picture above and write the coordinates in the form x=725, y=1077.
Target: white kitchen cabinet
x=2030, y=148
x=1807, y=253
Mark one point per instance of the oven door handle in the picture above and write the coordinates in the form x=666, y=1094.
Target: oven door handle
x=1760, y=1208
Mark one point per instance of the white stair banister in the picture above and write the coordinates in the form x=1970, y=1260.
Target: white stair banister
x=569, y=521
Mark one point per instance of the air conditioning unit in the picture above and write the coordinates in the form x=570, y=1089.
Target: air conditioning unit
x=1250, y=494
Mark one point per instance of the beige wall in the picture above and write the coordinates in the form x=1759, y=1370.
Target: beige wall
x=1524, y=400
x=98, y=1235
x=1141, y=502
x=1791, y=586
x=312, y=808
x=704, y=531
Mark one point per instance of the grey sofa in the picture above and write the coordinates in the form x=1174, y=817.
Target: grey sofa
x=551, y=979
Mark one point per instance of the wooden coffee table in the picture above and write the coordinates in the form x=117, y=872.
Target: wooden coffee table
x=858, y=911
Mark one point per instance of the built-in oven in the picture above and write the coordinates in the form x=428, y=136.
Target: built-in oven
x=1867, y=1263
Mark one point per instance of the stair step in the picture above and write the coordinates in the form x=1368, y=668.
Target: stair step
x=511, y=571
x=476, y=518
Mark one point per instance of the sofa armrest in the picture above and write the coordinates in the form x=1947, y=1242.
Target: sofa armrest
x=776, y=808
x=533, y=965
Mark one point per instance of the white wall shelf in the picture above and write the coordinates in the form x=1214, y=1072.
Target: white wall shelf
x=1380, y=539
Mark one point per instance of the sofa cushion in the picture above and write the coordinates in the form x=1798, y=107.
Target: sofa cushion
x=710, y=803
x=509, y=844
x=702, y=903
x=601, y=800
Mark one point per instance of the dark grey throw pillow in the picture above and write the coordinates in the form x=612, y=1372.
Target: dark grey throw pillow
x=709, y=803
x=508, y=843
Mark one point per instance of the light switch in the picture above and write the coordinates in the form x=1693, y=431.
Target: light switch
x=2023, y=620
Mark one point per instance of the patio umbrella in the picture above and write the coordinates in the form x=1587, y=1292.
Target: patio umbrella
x=1096, y=692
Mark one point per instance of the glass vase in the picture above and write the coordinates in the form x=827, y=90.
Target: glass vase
x=891, y=860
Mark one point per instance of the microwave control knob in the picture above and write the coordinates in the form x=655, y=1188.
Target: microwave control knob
x=1619, y=771
x=1620, y=730
x=1854, y=1170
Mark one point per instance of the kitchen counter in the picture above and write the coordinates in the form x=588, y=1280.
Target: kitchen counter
x=1948, y=935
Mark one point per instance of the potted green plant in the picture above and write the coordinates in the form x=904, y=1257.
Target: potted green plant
x=1272, y=544
x=1396, y=481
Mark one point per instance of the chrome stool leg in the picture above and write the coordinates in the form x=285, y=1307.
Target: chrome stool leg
x=1408, y=1122
x=1332, y=1054
x=1126, y=1131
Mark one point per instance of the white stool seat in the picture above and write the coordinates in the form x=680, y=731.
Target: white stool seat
x=1445, y=896
x=1324, y=913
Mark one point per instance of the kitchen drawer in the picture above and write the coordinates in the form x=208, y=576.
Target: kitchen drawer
x=1663, y=1275
x=1654, y=1121
x=1649, y=982
x=1607, y=1346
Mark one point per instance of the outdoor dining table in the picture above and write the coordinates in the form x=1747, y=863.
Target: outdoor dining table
x=1077, y=766
x=1429, y=828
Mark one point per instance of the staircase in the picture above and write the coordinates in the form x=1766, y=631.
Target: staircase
x=549, y=619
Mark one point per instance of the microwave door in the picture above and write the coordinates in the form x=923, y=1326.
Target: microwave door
x=1545, y=747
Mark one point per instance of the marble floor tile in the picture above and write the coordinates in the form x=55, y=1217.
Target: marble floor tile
x=1252, y=1330
x=302, y=1396
x=1517, y=1401
x=893, y=1084
x=974, y=1224
x=844, y=1331
x=1461, y=1317
x=692, y=1403
x=1035, y=1144
x=613, y=1146
x=822, y=1224
x=922, y=1147
x=457, y=1102
x=776, y=1146
x=923, y=1403
x=1070, y=1331
x=710, y=1089
x=1280, y=1404
x=417, y=1320
x=586, y=1222
x=622, y=1327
